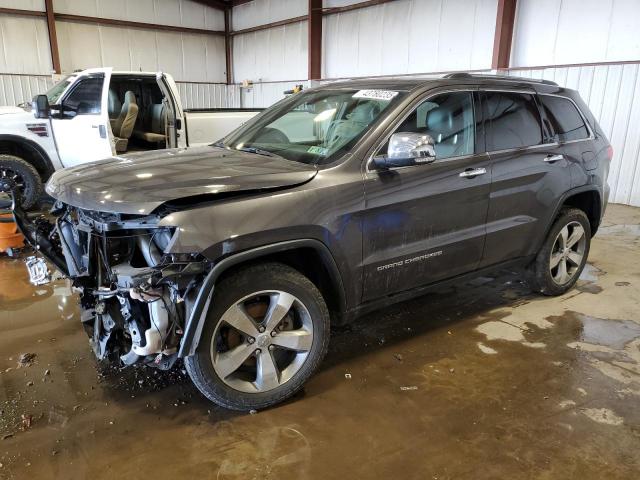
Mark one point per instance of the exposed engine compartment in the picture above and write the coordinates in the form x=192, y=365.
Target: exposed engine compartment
x=135, y=299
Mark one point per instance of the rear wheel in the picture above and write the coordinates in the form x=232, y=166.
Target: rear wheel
x=15, y=172
x=563, y=254
x=266, y=333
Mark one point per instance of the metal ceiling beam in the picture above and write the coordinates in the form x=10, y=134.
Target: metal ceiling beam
x=219, y=4
x=127, y=23
x=354, y=6
x=503, y=38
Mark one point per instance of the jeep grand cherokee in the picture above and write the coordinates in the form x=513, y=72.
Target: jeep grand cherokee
x=237, y=256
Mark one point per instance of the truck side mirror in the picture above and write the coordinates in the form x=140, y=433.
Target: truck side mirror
x=407, y=149
x=41, y=108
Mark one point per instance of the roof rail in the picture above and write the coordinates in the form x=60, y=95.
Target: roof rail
x=498, y=77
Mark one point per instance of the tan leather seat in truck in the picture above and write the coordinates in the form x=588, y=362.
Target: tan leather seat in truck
x=123, y=126
x=154, y=131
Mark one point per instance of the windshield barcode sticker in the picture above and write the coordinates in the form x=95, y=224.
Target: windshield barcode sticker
x=318, y=151
x=376, y=94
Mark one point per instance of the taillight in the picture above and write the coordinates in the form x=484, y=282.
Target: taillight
x=610, y=152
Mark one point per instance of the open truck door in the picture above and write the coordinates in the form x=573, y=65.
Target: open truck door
x=80, y=120
x=175, y=116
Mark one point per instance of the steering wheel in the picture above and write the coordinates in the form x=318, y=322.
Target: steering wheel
x=271, y=135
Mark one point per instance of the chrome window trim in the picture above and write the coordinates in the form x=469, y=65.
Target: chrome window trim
x=479, y=89
x=419, y=102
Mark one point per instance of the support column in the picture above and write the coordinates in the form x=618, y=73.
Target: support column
x=53, y=38
x=504, y=34
x=227, y=44
x=315, y=39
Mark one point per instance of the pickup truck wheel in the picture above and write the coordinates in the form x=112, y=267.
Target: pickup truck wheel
x=14, y=171
x=266, y=333
x=564, y=253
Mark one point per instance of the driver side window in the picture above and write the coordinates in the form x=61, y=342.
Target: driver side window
x=84, y=99
x=449, y=119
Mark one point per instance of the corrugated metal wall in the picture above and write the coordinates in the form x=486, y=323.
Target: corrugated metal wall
x=409, y=36
x=279, y=53
x=263, y=95
x=557, y=32
x=207, y=95
x=613, y=95
x=16, y=89
x=193, y=57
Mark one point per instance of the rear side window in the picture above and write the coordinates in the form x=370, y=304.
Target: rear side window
x=512, y=120
x=566, y=122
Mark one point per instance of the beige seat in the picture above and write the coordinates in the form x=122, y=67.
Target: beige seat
x=156, y=126
x=123, y=126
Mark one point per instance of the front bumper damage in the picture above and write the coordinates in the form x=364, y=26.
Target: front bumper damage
x=135, y=298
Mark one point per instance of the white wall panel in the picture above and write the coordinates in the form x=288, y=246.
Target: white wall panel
x=23, y=4
x=409, y=36
x=613, y=95
x=182, y=13
x=260, y=12
x=24, y=45
x=556, y=32
x=186, y=56
x=278, y=53
x=16, y=89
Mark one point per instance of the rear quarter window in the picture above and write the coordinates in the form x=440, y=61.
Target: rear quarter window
x=564, y=118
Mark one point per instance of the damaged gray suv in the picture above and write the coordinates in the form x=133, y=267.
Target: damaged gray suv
x=336, y=201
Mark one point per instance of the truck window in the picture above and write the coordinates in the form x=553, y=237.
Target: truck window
x=449, y=120
x=53, y=94
x=566, y=121
x=512, y=120
x=85, y=98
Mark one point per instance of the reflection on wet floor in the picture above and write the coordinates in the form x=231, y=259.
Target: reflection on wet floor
x=482, y=380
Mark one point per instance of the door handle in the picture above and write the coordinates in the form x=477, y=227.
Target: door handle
x=553, y=158
x=473, y=172
x=101, y=129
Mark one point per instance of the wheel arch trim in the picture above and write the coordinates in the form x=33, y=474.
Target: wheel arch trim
x=197, y=317
x=15, y=139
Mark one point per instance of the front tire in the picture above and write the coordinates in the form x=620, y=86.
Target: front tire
x=15, y=171
x=266, y=332
x=564, y=253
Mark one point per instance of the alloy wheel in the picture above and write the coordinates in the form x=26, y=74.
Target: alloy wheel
x=567, y=253
x=262, y=341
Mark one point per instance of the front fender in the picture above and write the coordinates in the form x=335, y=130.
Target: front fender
x=197, y=317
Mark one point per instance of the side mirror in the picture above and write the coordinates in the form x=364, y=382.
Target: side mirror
x=41, y=108
x=407, y=149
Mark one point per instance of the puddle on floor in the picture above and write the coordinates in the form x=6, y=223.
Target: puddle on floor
x=609, y=333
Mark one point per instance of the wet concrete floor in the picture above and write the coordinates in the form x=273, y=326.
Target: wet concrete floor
x=481, y=380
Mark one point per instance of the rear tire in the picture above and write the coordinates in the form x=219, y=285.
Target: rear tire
x=563, y=255
x=264, y=354
x=16, y=171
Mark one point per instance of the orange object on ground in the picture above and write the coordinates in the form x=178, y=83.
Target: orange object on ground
x=10, y=237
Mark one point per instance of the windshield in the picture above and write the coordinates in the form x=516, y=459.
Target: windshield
x=315, y=127
x=53, y=94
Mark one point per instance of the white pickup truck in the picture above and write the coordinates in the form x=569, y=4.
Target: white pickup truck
x=98, y=113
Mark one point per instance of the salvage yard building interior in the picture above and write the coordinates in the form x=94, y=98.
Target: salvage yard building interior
x=319, y=165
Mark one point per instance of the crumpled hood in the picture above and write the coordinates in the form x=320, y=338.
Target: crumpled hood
x=141, y=182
